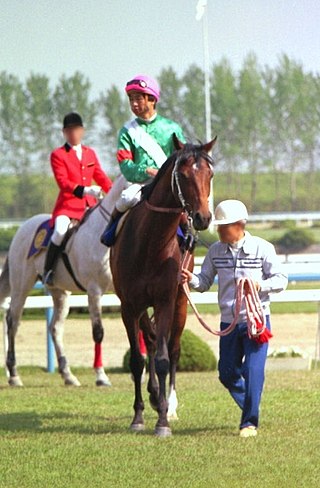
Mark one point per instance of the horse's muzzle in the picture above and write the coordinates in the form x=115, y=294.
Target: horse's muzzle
x=201, y=221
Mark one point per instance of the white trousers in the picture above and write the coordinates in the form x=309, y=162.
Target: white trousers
x=61, y=226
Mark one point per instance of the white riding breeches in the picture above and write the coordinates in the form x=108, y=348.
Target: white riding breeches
x=61, y=226
x=129, y=197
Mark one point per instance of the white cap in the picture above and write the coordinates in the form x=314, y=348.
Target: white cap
x=229, y=212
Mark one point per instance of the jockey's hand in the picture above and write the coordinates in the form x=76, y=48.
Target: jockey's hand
x=151, y=171
x=186, y=276
x=93, y=191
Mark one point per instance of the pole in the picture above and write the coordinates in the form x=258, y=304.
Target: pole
x=5, y=341
x=50, y=345
x=206, y=62
x=206, y=74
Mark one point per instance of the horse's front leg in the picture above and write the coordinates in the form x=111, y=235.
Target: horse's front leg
x=61, y=310
x=94, y=299
x=180, y=316
x=164, y=318
x=136, y=365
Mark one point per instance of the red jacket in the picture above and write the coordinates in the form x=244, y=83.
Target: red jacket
x=72, y=176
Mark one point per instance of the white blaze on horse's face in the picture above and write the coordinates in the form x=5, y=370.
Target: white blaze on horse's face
x=196, y=174
x=195, y=167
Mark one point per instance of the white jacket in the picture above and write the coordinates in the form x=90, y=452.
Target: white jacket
x=256, y=259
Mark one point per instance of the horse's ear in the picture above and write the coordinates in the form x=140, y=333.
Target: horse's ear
x=176, y=142
x=208, y=147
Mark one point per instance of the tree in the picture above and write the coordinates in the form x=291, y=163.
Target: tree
x=115, y=111
x=225, y=121
x=40, y=124
x=15, y=147
x=252, y=122
x=73, y=95
x=171, y=101
x=292, y=106
x=193, y=102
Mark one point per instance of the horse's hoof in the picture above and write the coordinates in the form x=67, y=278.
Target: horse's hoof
x=102, y=378
x=72, y=381
x=163, y=432
x=15, y=381
x=104, y=382
x=137, y=427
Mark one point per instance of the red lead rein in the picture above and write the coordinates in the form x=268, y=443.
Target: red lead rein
x=246, y=291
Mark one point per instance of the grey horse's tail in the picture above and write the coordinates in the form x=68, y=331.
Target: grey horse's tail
x=4, y=282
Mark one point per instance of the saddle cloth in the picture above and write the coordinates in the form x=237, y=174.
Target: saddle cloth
x=41, y=238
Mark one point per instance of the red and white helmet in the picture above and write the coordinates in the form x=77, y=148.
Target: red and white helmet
x=144, y=84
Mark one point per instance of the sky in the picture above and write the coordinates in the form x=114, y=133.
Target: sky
x=111, y=41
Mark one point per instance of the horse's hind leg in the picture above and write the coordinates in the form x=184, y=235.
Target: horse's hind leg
x=94, y=297
x=20, y=288
x=136, y=365
x=12, y=318
x=61, y=310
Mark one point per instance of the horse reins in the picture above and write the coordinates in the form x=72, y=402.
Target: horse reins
x=175, y=182
x=246, y=291
x=163, y=209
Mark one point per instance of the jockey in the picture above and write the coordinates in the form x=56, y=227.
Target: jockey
x=74, y=167
x=144, y=144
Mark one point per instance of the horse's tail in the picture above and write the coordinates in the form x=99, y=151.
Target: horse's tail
x=4, y=282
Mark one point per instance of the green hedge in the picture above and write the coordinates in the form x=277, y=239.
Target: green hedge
x=195, y=355
x=6, y=236
x=296, y=240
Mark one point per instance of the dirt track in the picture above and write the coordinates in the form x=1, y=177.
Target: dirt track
x=288, y=330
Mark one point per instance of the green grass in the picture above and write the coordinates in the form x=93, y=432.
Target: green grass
x=53, y=436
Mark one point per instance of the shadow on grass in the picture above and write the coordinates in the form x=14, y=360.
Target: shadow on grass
x=57, y=422
x=225, y=430
x=62, y=423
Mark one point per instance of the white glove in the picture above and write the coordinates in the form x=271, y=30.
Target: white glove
x=93, y=191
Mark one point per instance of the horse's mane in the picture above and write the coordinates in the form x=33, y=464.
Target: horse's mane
x=182, y=155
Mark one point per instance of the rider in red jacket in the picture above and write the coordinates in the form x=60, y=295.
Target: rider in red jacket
x=74, y=167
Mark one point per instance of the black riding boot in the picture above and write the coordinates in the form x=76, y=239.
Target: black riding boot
x=50, y=263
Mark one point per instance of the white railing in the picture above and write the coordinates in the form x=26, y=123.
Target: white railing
x=111, y=300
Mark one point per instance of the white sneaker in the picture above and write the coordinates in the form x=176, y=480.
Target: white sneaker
x=250, y=431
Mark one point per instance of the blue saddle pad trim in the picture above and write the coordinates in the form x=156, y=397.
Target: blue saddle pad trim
x=108, y=238
x=41, y=238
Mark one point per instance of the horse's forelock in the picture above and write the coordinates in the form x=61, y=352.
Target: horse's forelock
x=197, y=152
x=178, y=158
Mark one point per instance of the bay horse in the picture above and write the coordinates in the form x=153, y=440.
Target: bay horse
x=89, y=260
x=146, y=264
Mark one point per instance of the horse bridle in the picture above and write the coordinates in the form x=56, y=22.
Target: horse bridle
x=175, y=181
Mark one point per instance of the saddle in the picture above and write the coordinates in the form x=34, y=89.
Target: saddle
x=44, y=232
x=108, y=238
